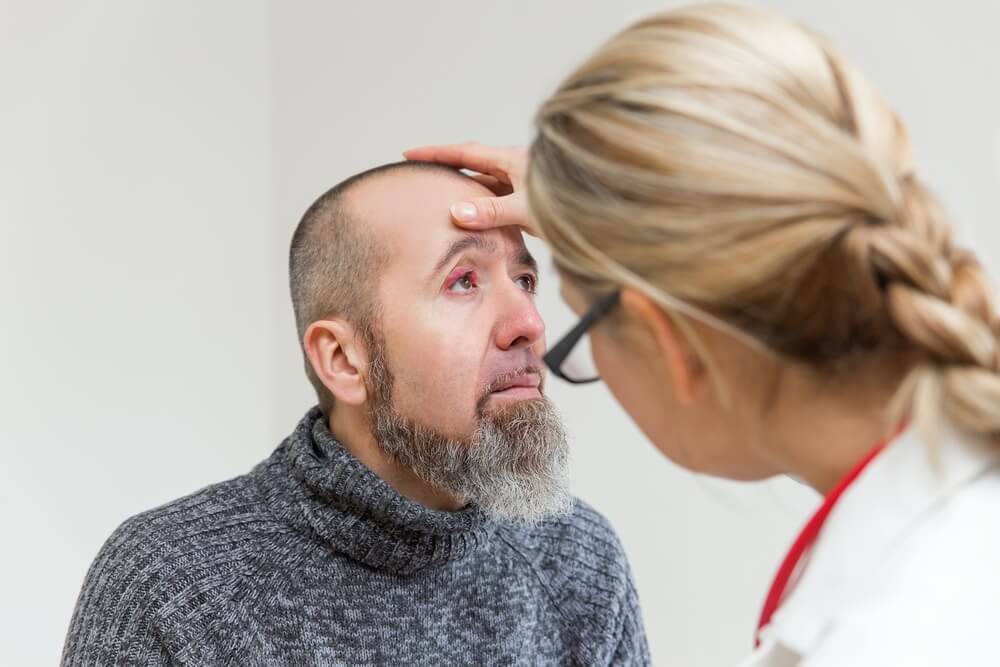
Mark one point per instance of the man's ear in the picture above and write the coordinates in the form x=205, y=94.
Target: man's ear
x=336, y=355
x=679, y=357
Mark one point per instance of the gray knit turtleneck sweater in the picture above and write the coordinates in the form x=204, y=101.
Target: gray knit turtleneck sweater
x=311, y=559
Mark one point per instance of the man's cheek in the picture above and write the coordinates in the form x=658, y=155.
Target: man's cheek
x=454, y=400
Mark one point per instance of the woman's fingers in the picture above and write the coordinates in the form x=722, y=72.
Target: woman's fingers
x=504, y=164
x=490, y=212
x=498, y=187
x=502, y=170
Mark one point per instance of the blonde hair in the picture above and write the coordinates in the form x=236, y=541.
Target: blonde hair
x=733, y=166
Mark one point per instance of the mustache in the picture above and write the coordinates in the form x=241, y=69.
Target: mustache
x=504, y=378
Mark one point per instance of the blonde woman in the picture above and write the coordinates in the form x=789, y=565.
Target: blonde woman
x=770, y=289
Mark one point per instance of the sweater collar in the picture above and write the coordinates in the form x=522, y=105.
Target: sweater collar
x=315, y=483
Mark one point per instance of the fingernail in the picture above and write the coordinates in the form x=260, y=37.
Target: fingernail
x=464, y=212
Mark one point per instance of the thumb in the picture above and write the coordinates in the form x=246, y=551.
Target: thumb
x=481, y=213
x=489, y=212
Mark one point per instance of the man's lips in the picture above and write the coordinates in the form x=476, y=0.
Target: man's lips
x=522, y=381
x=518, y=387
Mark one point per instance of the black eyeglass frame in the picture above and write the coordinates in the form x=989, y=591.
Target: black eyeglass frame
x=559, y=352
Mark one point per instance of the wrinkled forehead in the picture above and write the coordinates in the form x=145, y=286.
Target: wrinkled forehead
x=407, y=211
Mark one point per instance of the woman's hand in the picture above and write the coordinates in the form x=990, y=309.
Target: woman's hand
x=502, y=170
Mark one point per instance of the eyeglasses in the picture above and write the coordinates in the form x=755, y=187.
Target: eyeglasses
x=570, y=358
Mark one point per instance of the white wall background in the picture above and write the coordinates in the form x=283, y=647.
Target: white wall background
x=136, y=279
x=154, y=159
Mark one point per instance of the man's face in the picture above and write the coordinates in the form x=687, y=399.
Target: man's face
x=457, y=308
x=455, y=376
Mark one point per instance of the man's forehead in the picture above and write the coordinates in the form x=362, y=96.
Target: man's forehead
x=408, y=211
x=390, y=201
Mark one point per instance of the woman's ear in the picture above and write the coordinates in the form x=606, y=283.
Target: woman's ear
x=682, y=362
x=333, y=350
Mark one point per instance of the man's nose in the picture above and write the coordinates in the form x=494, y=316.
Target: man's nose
x=519, y=324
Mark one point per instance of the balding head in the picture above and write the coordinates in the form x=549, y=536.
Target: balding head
x=334, y=252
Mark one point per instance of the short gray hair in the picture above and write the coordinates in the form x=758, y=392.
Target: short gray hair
x=330, y=253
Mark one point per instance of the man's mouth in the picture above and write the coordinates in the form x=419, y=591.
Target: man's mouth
x=521, y=386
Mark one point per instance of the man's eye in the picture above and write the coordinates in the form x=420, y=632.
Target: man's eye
x=528, y=282
x=465, y=283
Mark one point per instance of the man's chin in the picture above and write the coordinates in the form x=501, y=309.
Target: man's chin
x=512, y=464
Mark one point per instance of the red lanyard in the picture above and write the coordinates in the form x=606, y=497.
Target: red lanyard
x=809, y=534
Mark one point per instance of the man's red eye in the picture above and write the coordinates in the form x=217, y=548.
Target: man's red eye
x=464, y=282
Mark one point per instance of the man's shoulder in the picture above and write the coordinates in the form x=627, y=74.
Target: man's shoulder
x=579, y=547
x=168, y=564
x=584, y=530
x=209, y=532
x=582, y=565
x=191, y=521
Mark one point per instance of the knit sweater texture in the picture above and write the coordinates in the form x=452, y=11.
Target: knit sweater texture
x=312, y=559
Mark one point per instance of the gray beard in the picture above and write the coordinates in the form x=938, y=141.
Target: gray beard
x=514, y=467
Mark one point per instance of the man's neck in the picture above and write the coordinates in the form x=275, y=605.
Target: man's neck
x=352, y=431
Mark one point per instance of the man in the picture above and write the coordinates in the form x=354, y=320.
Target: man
x=419, y=514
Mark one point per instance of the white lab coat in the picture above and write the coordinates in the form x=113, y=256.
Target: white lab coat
x=906, y=569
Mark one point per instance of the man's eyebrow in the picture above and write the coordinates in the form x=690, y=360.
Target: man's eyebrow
x=477, y=241
x=526, y=259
